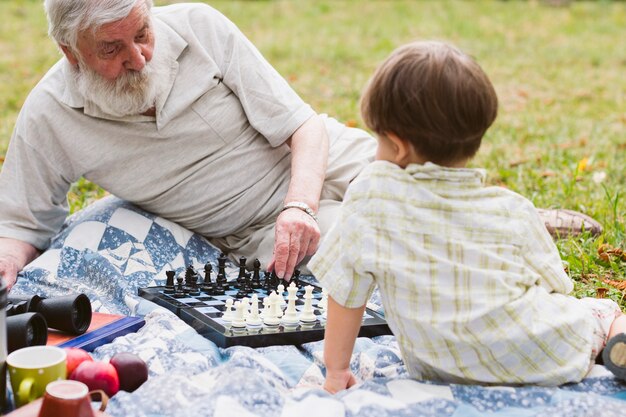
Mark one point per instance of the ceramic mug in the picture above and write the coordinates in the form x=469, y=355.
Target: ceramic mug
x=32, y=368
x=70, y=399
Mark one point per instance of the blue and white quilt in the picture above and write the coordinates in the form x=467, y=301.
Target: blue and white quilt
x=111, y=249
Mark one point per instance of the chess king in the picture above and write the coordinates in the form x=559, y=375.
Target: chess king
x=174, y=110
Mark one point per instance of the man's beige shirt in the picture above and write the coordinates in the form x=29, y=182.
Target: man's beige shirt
x=213, y=159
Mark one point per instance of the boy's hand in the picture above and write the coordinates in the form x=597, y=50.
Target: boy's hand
x=339, y=380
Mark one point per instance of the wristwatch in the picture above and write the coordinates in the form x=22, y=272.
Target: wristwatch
x=302, y=206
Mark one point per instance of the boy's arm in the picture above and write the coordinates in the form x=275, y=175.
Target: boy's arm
x=342, y=329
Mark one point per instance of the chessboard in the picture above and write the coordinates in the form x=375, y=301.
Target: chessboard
x=251, y=310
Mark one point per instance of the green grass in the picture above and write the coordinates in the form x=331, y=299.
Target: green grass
x=559, y=73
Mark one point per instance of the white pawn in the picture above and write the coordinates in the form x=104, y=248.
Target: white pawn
x=266, y=306
x=323, y=303
x=281, y=291
x=246, y=307
x=271, y=317
x=277, y=299
x=228, y=313
x=238, y=320
x=291, y=316
x=253, y=318
x=307, y=314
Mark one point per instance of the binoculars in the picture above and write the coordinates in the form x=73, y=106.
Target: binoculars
x=28, y=318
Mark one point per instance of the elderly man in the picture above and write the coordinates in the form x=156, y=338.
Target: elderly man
x=174, y=110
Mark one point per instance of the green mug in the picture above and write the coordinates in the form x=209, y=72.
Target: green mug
x=32, y=368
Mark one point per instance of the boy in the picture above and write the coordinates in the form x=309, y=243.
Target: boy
x=473, y=286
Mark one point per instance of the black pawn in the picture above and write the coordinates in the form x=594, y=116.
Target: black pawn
x=169, y=282
x=256, y=275
x=180, y=290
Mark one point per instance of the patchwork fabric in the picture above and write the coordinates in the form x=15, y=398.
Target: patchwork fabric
x=108, y=251
x=112, y=248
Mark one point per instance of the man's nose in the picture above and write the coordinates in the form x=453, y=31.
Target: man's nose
x=136, y=59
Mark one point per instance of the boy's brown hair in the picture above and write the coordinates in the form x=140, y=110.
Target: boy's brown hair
x=435, y=97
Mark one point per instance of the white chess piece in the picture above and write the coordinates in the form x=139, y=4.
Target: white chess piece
x=266, y=307
x=238, y=320
x=228, y=313
x=279, y=301
x=281, y=290
x=271, y=317
x=323, y=303
x=291, y=316
x=246, y=307
x=307, y=315
x=253, y=318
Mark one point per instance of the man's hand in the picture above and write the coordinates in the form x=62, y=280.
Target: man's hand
x=297, y=235
x=14, y=255
x=339, y=380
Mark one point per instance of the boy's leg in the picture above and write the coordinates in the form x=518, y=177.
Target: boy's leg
x=614, y=353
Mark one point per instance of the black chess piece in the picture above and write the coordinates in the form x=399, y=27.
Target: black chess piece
x=189, y=272
x=295, y=278
x=267, y=283
x=180, y=290
x=241, y=278
x=221, y=272
x=193, y=284
x=207, y=284
x=274, y=278
x=256, y=277
x=169, y=282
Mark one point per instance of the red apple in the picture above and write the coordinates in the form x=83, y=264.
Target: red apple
x=98, y=375
x=131, y=369
x=75, y=356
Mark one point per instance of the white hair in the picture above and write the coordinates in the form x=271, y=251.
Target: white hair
x=67, y=18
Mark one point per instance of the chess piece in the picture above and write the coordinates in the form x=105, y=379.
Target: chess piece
x=280, y=290
x=180, y=290
x=241, y=278
x=323, y=303
x=207, y=284
x=253, y=318
x=238, y=319
x=256, y=277
x=267, y=283
x=221, y=271
x=271, y=316
x=169, y=282
x=290, y=316
x=307, y=315
x=193, y=284
x=227, y=316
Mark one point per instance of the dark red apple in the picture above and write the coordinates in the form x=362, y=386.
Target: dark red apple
x=98, y=375
x=131, y=369
x=75, y=356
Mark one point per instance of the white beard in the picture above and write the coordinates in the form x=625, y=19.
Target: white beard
x=132, y=93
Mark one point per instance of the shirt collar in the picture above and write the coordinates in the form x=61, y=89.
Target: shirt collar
x=167, y=42
x=430, y=171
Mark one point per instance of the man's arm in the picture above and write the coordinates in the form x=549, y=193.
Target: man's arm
x=297, y=233
x=14, y=255
x=342, y=329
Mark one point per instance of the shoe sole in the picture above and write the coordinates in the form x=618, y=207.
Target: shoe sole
x=614, y=356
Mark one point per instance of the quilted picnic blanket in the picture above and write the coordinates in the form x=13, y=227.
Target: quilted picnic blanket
x=111, y=249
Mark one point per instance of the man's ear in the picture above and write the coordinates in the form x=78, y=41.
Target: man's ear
x=404, y=150
x=69, y=55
